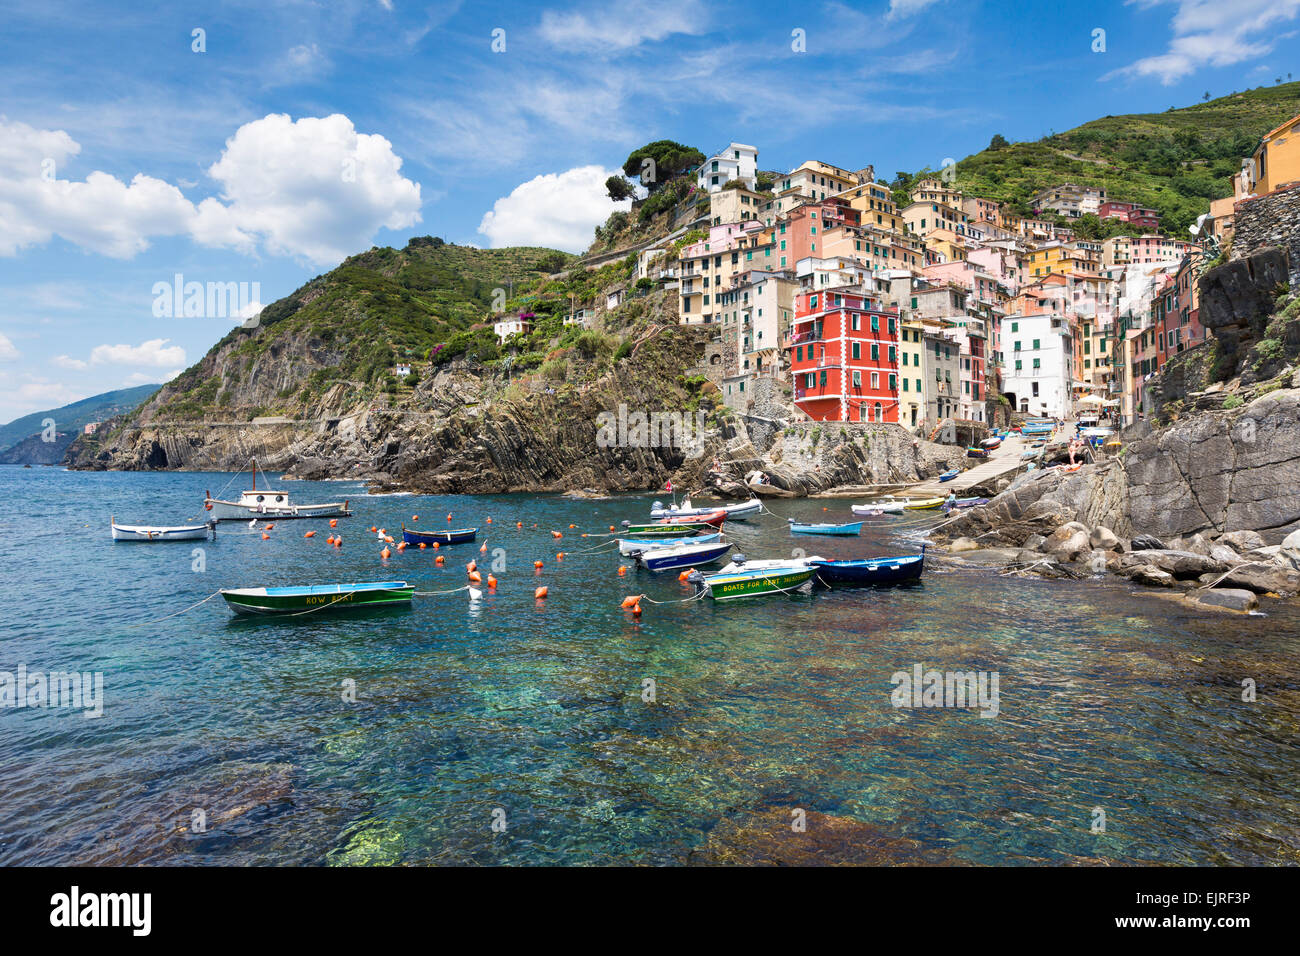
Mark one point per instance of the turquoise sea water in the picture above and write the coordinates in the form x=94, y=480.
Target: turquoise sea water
x=1110, y=698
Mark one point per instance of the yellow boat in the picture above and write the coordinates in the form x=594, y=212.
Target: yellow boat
x=919, y=504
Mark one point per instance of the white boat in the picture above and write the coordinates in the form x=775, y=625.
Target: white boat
x=681, y=555
x=268, y=503
x=879, y=508
x=630, y=546
x=735, y=512
x=147, y=532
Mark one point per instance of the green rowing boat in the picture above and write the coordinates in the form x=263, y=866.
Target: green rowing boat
x=317, y=597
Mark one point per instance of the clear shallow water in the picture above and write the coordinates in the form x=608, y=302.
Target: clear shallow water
x=1109, y=697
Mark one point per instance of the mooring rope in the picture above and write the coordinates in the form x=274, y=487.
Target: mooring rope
x=464, y=587
x=177, y=614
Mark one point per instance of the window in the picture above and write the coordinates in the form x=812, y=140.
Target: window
x=875, y=380
x=822, y=381
x=893, y=355
x=1038, y=363
x=875, y=323
x=1036, y=345
x=857, y=350
x=918, y=384
x=893, y=383
x=857, y=379
x=875, y=352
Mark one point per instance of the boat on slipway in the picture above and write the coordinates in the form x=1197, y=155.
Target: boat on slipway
x=737, y=511
x=317, y=597
x=269, y=503
x=153, y=533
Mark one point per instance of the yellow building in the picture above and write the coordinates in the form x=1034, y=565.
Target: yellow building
x=1277, y=158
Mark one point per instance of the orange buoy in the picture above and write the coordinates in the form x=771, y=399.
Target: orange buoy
x=559, y=556
x=402, y=546
x=330, y=539
x=473, y=565
x=489, y=520
x=435, y=546
x=448, y=515
x=422, y=546
x=388, y=538
x=622, y=570
x=636, y=610
x=519, y=524
x=338, y=542
x=439, y=560
x=492, y=582
x=373, y=528
x=475, y=577
x=537, y=565
x=310, y=534
x=483, y=550
x=269, y=527
x=685, y=574
x=385, y=554
x=334, y=522
x=415, y=517
x=265, y=536
x=573, y=526
x=540, y=592
x=611, y=527
x=630, y=600
x=556, y=534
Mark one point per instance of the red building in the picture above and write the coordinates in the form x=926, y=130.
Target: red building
x=1130, y=212
x=843, y=357
x=803, y=232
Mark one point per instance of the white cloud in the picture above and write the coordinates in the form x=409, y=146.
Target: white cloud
x=1212, y=33
x=559, y=210
x=7, y=350
x=154, y=352
x=314, y=189
x=622, y=26
x=901, y=9
x=67, y=361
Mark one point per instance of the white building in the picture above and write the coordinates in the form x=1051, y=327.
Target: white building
x=402, y=370
x=1039, y=368
x=504, y=328
x=737, y=161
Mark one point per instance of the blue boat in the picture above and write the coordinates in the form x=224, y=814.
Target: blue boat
x=681, y=556
x=454, y=536
x=847, y=530
x=899, y=569
x=950, y=474
x=627, y=546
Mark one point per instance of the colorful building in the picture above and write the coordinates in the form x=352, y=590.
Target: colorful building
x=843, y=357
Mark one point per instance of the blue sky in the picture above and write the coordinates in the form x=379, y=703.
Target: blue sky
x=302, y=132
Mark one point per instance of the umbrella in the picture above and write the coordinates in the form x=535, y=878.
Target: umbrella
x=1092, y=400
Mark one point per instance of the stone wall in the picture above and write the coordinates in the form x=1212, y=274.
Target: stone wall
x=1270, y=220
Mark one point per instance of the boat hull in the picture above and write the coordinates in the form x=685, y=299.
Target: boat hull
x=873, y=571
x=736, y=512
x=743, y=584
x=319, y=597
x=146, y=533
x=454, y=536
x=626, y=546
x=676, y=530
x=842, y=530
x=234, y=511
x=879, y=508
x=669, y=559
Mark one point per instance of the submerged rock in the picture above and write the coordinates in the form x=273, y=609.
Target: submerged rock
x=1232, y=599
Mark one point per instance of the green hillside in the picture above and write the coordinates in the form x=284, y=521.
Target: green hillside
x=1175, y=161
x=377, y=308
x=75, y=416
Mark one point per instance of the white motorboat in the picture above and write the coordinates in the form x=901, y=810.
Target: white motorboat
x=268, y=503
x=147, y=532
x=738, y=511
x=879, y=508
